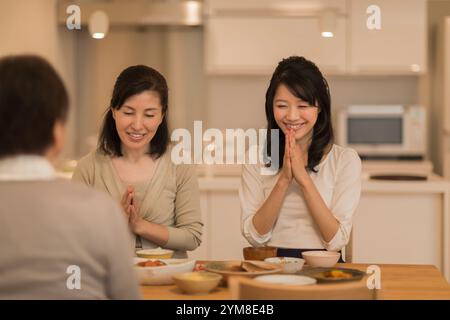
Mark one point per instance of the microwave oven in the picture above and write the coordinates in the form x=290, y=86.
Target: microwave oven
x=384, y=131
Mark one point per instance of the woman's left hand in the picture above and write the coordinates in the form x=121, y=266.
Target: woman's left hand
x=135, y=221
x=298, y=164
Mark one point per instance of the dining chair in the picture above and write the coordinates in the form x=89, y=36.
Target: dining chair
x=347, y=251
x=250, y=289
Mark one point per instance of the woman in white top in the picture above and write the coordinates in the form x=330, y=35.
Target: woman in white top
x=309, y=202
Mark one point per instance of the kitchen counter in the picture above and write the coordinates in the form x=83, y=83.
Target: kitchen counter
x=434, y=184
x=398, y=282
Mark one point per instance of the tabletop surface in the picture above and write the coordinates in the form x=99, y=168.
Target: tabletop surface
x=397, y=282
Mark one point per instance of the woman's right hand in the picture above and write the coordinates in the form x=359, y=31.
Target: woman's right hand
x=127, y=201
x=286, y=170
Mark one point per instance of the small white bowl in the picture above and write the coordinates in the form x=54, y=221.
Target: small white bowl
x=323, y=259
x=157, y=253
x=289, y=264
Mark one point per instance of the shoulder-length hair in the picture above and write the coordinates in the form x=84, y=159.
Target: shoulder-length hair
x=304, y=79
x=134, y=80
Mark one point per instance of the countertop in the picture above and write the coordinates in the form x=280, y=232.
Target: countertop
x=434, y=184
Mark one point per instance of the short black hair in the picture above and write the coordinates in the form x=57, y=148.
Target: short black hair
x=134, y=80
x=32, y=99
x=304, y=80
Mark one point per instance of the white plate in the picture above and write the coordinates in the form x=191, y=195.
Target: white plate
x=293, y=280
x=162, y=275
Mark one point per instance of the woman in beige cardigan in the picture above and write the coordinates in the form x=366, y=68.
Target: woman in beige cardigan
x=133, y=164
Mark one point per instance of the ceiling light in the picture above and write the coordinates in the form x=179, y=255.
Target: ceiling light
x=327, y=23
x=98, y=24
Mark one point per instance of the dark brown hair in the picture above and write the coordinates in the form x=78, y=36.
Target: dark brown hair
x=32, y=99
x=134, y=80
x=304, y=79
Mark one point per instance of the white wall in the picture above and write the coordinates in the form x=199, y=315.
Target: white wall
x=30, y=27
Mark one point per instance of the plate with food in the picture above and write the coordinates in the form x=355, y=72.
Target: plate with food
x=161, y=271
x=246, y=268
x=333, y=275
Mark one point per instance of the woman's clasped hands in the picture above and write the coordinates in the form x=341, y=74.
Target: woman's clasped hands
x=131, y=209
x=294, y=162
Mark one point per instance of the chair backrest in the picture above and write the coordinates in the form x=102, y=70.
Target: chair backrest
x=347, y=251
x=250, y=289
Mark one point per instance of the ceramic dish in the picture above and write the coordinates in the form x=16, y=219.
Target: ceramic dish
x=197, y=282
x=157, y=253
x=160, y=275
x=288, y=264
x=323, y=259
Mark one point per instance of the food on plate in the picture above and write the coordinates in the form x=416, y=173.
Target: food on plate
x=199, y=267
x=283, y=260
x=250, y=266
x=336, y=274
x=151, y=263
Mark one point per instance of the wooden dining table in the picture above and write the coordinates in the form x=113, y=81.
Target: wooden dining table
x=398, y=282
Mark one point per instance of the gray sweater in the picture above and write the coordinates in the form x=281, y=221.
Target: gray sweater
x=48, y=226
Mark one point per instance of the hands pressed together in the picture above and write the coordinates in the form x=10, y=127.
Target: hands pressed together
x=131, y=209
x=294, y=166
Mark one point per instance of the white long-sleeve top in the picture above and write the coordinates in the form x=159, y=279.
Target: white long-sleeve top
x=338, y=181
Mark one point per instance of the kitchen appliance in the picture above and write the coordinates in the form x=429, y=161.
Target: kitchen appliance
x=389, y=132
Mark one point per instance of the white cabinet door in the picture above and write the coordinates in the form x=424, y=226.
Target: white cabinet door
x=399, y=47
x=255, y=45
x=225, y=241
x=398, y=228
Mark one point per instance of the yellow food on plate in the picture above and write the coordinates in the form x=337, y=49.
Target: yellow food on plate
x=336, y=274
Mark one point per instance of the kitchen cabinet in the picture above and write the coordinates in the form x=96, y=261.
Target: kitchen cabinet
x=398, y=228
x=399, y=47
x=251, y=40
x=255, y=45
x=222, y=238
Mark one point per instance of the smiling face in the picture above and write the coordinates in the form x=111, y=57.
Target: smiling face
x=138, y=119
x=292, y=113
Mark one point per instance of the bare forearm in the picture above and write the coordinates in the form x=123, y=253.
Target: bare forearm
x=322, y=216
x=153, y=232
x=265, y=217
